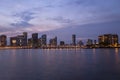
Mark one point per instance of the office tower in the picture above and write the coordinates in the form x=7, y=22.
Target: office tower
x=35, y=40
x=44, y=40
x=74, y=39
x=3, y=40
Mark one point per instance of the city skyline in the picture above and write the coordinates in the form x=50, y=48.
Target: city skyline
x=22, y=41
x=85, y=18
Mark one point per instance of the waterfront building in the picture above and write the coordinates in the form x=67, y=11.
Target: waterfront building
x=115, y=40
x=20, y=40
x=53, y=42
x=13, y=41
x=29, y=42
x=44, y=40
x=108, y=40
x=40, y=42
x=3, y=40
x=95, y=42
x=25, y=38
x=74, y=39
x=80, y=43
x=35, y=40
x=62, y=43
x=89, y=42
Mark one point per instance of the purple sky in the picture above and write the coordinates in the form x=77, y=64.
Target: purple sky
x=62, y=18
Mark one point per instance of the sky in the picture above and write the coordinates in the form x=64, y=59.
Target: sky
x=62, y=18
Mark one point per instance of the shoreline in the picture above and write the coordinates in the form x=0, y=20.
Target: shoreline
x=4, y=48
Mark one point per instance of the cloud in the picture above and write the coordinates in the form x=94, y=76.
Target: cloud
x=26, y=15
x=21, y=24
x=5, y=21
x=60, y=19
x=22, y=19
x=48, y=15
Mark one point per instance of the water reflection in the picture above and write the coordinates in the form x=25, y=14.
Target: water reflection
x=13, y=57
x=94, y=56
x=36, y=64
x=116, y=50
x=117, y=55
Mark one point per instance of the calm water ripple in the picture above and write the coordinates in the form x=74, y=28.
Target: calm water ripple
x=82, y=64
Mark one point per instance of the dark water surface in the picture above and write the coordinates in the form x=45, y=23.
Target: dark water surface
x=82, y=64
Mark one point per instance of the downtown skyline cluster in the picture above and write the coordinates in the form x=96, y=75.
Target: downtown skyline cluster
x=34, y=41
x=105, y=40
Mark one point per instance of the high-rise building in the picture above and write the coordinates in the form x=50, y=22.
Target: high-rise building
x=29, y=42
x=73, y=39
x=53, y=41
x=108, y=40
x=44, y=40
x=35, y=40
x=25, y=38
x=3, y=40
x=40, y=42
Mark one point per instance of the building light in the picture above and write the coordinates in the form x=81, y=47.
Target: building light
x=14, y=41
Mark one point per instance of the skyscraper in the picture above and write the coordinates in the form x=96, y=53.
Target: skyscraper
x=74, y=39
x=35, y=40
x=44, y=40
x=29, y=42
x=25, y=38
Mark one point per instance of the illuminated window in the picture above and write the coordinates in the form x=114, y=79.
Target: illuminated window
x=14, y=41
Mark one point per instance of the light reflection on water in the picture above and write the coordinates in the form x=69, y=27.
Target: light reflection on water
x=64, y=64
x=117, y=58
